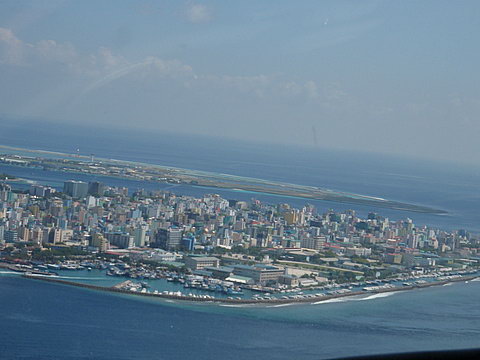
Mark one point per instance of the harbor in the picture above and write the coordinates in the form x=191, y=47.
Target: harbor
x=142, y=289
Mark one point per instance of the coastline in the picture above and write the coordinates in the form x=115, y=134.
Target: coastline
x=219, y=301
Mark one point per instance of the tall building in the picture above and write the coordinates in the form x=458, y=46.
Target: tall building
x=139, y=236
x=188, y=243
x=99, y=242
x=169, y=239
x=76, y=189
x=2, y=231
x=37, y=190
x=55, y=236
x=291, y=217
x=96, y=188
x=10, y=236
x=24, y=233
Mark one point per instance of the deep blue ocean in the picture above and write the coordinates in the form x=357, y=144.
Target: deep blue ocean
x=49, y=321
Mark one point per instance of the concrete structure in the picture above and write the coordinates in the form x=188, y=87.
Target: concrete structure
x=169, y=238
x=122, y=240
x=260, y=273
x=201, y=262
x=10, y=236
x=99, y=242
x=76, y=189
x=96, y=188
x=139, y=236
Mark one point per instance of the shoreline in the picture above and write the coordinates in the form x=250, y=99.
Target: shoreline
x=220, y=301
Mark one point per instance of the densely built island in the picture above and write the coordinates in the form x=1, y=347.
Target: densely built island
x=215, y=249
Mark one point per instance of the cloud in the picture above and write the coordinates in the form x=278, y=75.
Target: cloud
x=103, y=67
x=48, y=53
x=198, y=13
x=11, y=48
x=167, y=94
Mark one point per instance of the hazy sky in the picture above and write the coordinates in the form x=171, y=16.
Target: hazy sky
x=386, y=76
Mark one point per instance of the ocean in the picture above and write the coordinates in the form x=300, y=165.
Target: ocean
x=50, y=321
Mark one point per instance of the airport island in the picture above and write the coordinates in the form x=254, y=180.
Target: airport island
x=211, y=249
x=76, y=163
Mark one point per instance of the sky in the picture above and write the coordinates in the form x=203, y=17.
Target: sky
x=398, y=77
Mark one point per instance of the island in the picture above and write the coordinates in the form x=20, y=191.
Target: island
x=76, y=163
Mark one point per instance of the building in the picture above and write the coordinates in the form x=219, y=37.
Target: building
x=169, y=239
x=99, y=242
x=157, y=255
x=221, y=272
x=188, y=243
x=23, y=233
x=291, y=217
x=10, y=236
x=96, y=188
x=54, y=235
x=121, y=240
x=76, y=189
x=260, y=273
x=289, y=280
x=315, y=243
x=139, y=236
x=358, y=251
x=393, y=258
x=37, y=190
x=201, y=262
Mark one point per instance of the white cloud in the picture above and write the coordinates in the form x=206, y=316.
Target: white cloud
x=198, y=13
x=103, y=67
x=11, y=48
x=103, y=86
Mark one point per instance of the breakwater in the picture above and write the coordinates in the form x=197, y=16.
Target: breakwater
x=247, y=301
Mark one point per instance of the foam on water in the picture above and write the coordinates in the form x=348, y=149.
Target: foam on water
x=236, y=305
x=329, y=301
x=281, y=305
x=356, y=298
x=377, y=296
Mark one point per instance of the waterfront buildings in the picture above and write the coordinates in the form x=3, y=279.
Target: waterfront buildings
x=253, y=242
x=260, y=273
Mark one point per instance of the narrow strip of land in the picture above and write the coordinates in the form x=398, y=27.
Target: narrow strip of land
x=57, y=161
